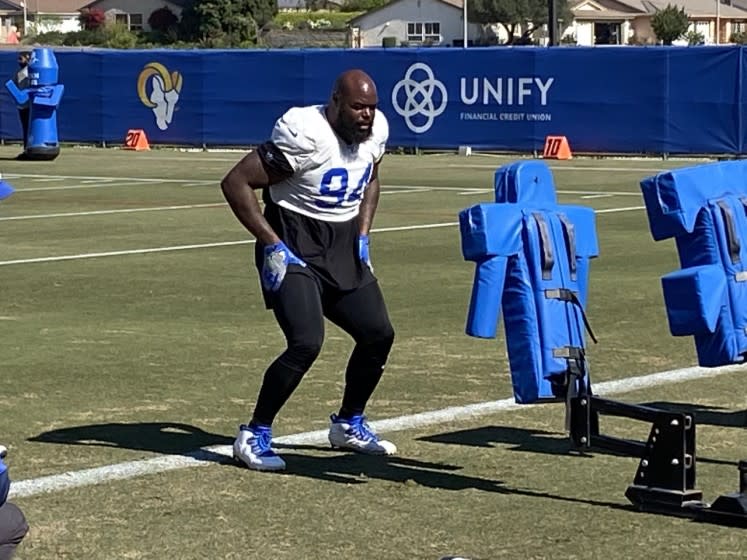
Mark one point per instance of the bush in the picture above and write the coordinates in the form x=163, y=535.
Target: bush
x=308, y=20
x=162, y=20
x=740, y=38
x=694, y=38
x=568, y=39
x=92, y=18
x=670, y=23
x=362, y=5
x=49, y=38
x=118, y=36
x=389, y=42
x=85, y=38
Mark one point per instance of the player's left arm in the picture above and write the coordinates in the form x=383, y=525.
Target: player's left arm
x=370, y=201
x=371, y=194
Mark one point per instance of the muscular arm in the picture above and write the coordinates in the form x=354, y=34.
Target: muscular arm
x=239, y=190
x=370, y=201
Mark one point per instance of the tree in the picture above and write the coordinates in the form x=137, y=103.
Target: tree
x=162, y=19
x=530, y=15
x=226, y=22
x=92, y=19
x=670, y=23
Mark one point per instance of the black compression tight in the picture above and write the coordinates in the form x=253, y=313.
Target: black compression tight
x=300, y=308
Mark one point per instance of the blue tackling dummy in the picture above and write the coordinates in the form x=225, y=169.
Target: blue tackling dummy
x=704, y=209
x=532, y=258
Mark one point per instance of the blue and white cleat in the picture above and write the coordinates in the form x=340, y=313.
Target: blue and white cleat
x=355, y=434
x=253, y=447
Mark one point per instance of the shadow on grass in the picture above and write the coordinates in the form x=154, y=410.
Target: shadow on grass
x=710, y=415
x=537, y=441
x=354, y=469
x=171, y=438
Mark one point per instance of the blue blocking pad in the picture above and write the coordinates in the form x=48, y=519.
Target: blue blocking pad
x=5, y=189
x=704, y=208
x=532, y=261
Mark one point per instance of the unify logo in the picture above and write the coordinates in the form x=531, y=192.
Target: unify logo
x=420, y=97
x=164, y=92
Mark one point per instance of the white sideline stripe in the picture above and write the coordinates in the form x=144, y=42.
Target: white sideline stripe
x=613, y=193
x=398, y=189
x=159, y=208
x=229, y=243
x=126, y=252
x=92, y=186
x=613, y=210
x=570, y=168
x=185, y=247
x=120, y=211
x=200, y=457
x=42, y=177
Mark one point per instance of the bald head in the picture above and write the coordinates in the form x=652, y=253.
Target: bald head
x=354, y=82
x=352, y=107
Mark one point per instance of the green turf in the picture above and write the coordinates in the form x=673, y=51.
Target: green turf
x=133, y=356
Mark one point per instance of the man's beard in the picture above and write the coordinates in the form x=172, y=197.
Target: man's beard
x=353, y=133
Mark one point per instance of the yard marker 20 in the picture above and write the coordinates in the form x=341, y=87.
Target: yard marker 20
x=136, y=140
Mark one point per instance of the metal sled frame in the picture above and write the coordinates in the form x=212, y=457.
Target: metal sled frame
x=665, y=480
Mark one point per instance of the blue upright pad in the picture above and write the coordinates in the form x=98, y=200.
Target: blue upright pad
x=694, y=299
x=527, y=182
x=532, y=260
x=675, y=198
x=704, y=209
x=5, y=190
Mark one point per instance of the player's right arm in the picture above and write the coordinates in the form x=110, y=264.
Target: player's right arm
x=288, y=151
x=239, y=186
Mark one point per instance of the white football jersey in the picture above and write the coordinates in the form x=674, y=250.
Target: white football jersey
x=330, y=176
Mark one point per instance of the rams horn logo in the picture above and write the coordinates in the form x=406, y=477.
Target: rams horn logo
x=164, y=95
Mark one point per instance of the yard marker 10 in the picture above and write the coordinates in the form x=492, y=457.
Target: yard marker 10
x=557, y=147
x=136, y=140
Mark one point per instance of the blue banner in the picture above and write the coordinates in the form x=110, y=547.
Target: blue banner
x=687, y=100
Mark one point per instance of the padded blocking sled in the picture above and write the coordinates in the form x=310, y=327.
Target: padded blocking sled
x=704, y=208
x=532, y=260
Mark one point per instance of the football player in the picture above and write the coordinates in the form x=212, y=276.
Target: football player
x=319, y=178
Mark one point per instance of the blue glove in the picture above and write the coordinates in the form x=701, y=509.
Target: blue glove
x=363, y=252
x=277, y=259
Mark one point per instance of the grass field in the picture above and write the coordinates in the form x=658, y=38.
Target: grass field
x=134, y=340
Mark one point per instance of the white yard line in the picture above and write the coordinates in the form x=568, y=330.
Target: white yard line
x=105, y=212
x=186, y=247
x=41, y=177
x=614, y=210
x=125, y=252
x=389, y=190
x=128, y=184
x=81, y=256
x=653, y=170
x=202, y=457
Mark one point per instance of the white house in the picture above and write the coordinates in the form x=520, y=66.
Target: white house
x=32, y=16
x=620, y=22
x=413, y=22
x=135, y=13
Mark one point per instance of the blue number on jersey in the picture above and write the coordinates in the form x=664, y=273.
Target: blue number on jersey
x=340, y=191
